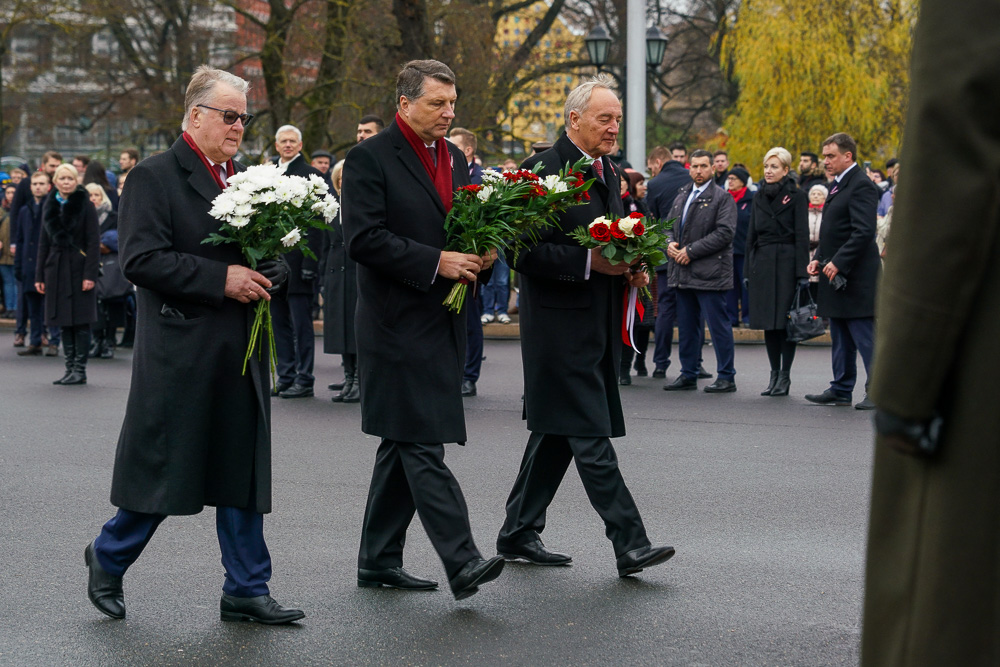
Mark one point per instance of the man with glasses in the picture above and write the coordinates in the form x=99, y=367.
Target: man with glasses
x=196, y=431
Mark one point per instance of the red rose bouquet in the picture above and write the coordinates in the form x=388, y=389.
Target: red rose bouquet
x=509, y=211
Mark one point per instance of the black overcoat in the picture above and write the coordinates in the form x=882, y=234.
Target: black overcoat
x=27, y=230
x=68, y=254
x=570, y=326
x=847, y=238
x=196, y=432
x=411, y=349
x=340, y=292
x=707, y=234
x=777, y=254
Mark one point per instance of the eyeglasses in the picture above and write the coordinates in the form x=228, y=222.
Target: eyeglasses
x=230, y=117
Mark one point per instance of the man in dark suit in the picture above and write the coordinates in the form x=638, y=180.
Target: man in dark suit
x=196, y=431
x=849, y=261
x=291, y=310
x=397, y=189
x=700, y=264
x=661, y=190
x=571, y=399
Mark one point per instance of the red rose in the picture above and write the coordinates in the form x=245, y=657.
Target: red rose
x=471, y=188
x=636, y=214
x=638, y=229
x=617, y=233
x=601, y=232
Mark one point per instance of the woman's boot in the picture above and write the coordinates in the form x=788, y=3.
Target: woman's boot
x=82, y=344
x=771, y=384
x=350, y=377
x=69, y=350
x=783, y=384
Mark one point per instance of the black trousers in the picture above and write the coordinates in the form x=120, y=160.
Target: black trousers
x=545, y=461
x=408, y=477
x=294, y=339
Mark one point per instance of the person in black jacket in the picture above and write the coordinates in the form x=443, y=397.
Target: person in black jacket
x=398, y=187
x=110, y=307
x=68, y=259
x=777, y=252
x=738, y=298
x=29, y=229
x=291, y=309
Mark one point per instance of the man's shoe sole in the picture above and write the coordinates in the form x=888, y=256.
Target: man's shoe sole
x=240, y=616
x=516, y=557
x=368, y=583
x=635, y=570
x=840, y=403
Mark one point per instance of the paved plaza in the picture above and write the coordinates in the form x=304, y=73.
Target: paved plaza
x=765, y=500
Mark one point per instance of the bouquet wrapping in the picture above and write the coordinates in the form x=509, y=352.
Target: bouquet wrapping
x=267, y=214
x=509, y=211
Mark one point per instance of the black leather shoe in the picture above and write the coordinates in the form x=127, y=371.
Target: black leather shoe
x=335, y=386
x=828, y=398
x=280, y=387
x=640, y=369
x=721, y=386
x=261, y=609
x=394, y=577
x=703, y=374
x=474, y=573
x=297, y=391
x=103, y=589
x=352, y=394
x=865, y=404
x=783, y=384
x=659, y=373
x=624, y=379
x=638, y=559
x=468, y=388
x=682, y=383
x=76, y=377
x=533, y=552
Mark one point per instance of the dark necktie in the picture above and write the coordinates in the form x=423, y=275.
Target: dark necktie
x=434, y=155
x=222, y=174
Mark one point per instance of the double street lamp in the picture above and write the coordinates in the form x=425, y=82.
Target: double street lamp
x=598, y=44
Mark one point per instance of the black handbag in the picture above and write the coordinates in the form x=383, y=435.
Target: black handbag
x=803, y=322
x=111, y=282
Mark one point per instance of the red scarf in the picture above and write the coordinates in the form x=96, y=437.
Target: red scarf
x=441, y=174
x=208, y=165
x=738, y=194
x=816, y=207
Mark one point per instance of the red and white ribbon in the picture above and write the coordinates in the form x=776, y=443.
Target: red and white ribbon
x=634, y=312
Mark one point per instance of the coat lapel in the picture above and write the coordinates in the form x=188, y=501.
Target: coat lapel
x=837, y=188
x=410, y=160
x=198, y=176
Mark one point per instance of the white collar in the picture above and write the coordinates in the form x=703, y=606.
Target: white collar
x=282, y=163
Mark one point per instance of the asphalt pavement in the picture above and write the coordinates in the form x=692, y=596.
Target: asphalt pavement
x=765, y=500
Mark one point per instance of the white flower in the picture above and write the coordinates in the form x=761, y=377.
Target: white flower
x=239, y=222
x=332, y=208
x=490, y=175
x=485, y=193
x=625, y=225
x=222, y=206
x=554, y=184
x=291, y=238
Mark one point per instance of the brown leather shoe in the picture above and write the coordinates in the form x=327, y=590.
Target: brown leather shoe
x=18, y=340
x=31, y=351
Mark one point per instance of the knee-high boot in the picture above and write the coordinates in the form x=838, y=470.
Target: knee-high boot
x=69, y=351
x=352, y=393
x=82, y=344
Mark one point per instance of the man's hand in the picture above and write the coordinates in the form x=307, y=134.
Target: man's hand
x=88, y=285
x=246, y=285
x=13, y=248
x=672, y=249
x=489, y=258
x=459, y=266
x=637, y=277
x=830, y=270
x=813, y=268
x=600, y=264
x=682, y=257
x=40, y=288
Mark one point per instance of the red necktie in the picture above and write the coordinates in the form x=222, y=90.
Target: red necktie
x=222, y=174
x=599, y=168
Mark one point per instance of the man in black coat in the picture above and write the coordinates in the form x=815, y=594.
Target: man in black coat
x=661, y=190
x=397, y=189
x=197, y=432
x=571, y=401
x=700, y=263
x=849, y=261
x=291, y=310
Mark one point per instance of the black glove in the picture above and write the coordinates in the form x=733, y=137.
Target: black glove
x=308, y=275
x=910, y=437
x=275, y=270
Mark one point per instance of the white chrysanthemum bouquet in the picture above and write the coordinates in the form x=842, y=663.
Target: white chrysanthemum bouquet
x=268, y=214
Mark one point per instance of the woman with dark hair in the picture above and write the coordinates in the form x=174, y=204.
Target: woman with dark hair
x=738, y=298
x=634, y=193
x=68, y=259
x=96, y=173
x=777, y=256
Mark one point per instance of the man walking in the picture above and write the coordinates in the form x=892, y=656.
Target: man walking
x=848, y=258
x=700, y=255
x=398, y=188
x=194, y=307
x=571, y=399
x=294, y=339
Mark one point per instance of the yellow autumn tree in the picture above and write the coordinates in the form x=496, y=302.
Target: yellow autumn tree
x=809, y=68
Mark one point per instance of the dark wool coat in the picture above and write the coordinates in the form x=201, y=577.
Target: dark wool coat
x=777, y=254
x=571, y=327
x=932, y=590
x=340, y=293
x=708, y=236
x=197, y=432
x=411, y=349
x=68, y=254
x=847, y=238
x=27, y=232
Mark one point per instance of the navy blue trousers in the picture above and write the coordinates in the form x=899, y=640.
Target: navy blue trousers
x=850, y=336
x=692, y=306
x=666, y=314
x=241, y=538
x=294, y=339
x=474, y=337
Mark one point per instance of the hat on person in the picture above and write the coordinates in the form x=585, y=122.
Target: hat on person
x=740, y=173
x=322, y=153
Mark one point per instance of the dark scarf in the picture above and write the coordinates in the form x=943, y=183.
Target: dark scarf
x=208, y=165
x=440, y=175
x=771, y=190
x=61, y=220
